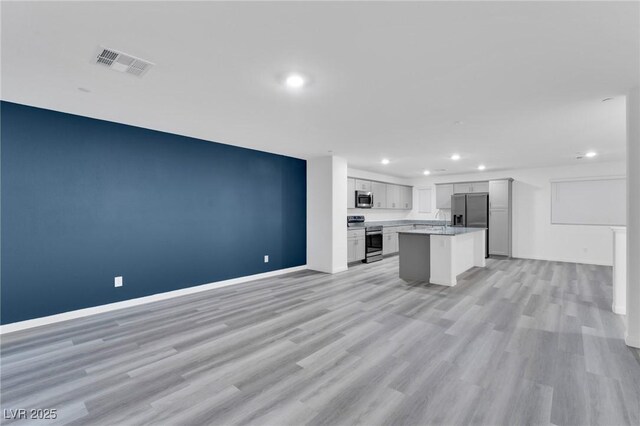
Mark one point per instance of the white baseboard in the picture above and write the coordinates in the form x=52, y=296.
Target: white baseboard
x=332, y=271
x=442, y=282
x=65, y=316
x=620, y=310
x=633, y=342
x=562, y=259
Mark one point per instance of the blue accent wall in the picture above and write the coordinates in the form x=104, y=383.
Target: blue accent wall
x=85, y=200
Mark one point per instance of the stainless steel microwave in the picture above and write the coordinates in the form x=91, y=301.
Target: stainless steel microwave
x=364, y=199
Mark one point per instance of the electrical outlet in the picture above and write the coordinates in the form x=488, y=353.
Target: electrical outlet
x=266, y=258
x=117, y=282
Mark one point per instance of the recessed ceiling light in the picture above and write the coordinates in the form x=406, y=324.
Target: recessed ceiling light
x=295, y=81
x=590, y=154
x=385, y=161
x=481, y=167
x=84, y=89
x=455, y=157
x=426, y=172
x=458, y=122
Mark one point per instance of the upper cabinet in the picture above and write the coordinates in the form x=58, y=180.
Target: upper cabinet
x=393, y=197
x=499, y=191
x=385, y=195
x=480, y=187
x=406, y=197
x=379, y=191
x=470, y=187
x=363, y=185
x=351, y=193
x=462, y=188
x=443, y=196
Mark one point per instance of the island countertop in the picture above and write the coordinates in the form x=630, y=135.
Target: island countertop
x=392, y=223
x=449, y=231
x=438, y=256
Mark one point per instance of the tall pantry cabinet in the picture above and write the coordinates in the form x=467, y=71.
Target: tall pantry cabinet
x=500, y=217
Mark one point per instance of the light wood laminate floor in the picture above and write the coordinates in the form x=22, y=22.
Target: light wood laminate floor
x=518, y=342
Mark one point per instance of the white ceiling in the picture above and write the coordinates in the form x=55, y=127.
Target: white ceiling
x=389, y=79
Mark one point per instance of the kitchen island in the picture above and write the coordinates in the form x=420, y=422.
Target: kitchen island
x=438, y=256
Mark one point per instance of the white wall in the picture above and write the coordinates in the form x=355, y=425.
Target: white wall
x=375, y=214
x=534, y=237
x=326, y=223
x=339, y=205
x=632, y=336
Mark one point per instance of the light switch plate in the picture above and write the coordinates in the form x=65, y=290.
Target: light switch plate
x=117, y=282
x=266, y=258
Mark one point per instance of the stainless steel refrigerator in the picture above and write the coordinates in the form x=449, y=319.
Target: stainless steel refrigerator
x=471, y=211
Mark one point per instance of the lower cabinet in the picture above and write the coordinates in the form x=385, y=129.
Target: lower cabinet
x=390, y=242
x=356, y=246
x=356, y=243
x=499, y=237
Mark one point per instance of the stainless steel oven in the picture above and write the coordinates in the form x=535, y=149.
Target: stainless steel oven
x=364, y=199
x=373, y=242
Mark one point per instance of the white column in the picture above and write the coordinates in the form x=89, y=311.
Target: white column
x=632, y=337
x=619, y=304
x=327, y=214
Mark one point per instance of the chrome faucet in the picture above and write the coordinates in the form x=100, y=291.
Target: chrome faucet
x=442, y=213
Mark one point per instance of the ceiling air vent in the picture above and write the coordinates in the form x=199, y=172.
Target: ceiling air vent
x=122, y=62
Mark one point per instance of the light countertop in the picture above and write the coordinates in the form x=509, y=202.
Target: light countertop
x=449, y=230
x=386, y=223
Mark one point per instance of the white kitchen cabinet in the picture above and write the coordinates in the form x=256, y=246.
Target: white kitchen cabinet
x=470, y=187
x=351, y=193
x=395, y=244
x=390, y=238
x=389, y=243
x=363, y=185
x=361, y=250
x=500, y=217
x=379, y=191
x=499, y=194
x=462, y=188
x=351, y=250
x=405, y=228
x=443, y=196
x=406, y=197
x=356, y=248
x=393, y=196
x=385, y=195
x=480, y=187
x=499, y=232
